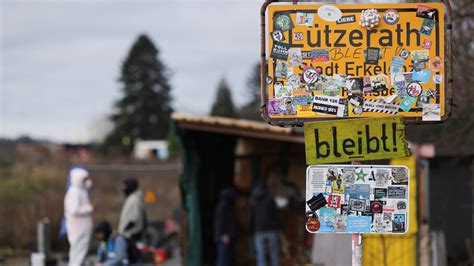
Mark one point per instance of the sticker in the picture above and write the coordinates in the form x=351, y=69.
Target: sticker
x=316, y=202
x=338, y=186
x=278, y=36
x=283, y=22
x=294, y=81
x=407, y=103
x=398, y=223
x=305, y=19
x=400, y=176
x=401, y=205
x=302, y=100
x=329, y=13
x=437, y=79
x=282, y=91
x=274, y=106
x=325, y=104
x=391, y=16
x=357, y=204
x=310, y=75
x=296, y=59
x=427, y=27
x=427, y=44
x=396, y=192
x=398, y=79
x=427, y=12
x=312, y=224
x=288, y=106
x=422, y=76
x=281, y=69
x=379, y=82
x=280, y=51
x=431, y=112
x=358, y=110
x=414, y=89
x=358, y=223
x=334, y=201
x=367, y=84
x=376, y=206
x=372, y=55
x=377, y=107
x=356, y=99
x=358, y=191
x=423, y=99
x=269, y=80
x=298, y=36
x=397, y=65
x=369, y=18
x=346, y=19
x=339, y=223
x=419, y=66
x=405, y=54
x=320, y=55
x=435, y=64
x=289, y=71
x=380, y=193
x=420, y=55
x=327, y=219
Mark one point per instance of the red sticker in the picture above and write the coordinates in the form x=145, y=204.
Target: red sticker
x=312, y=225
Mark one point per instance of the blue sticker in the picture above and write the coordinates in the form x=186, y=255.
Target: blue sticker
x=407, y=103
x=421, y=76
x=359, y=191
x=397, y=65
x=326, y=218
x=358, y=224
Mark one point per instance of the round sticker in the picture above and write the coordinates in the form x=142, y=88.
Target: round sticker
x=376, y=207
x=312, y=225
x=329, y=13
x=401, y=205
x=283, y=22
x=357, y=110
x=391, y=16
x=310, y=75
x=435, y=64
x=414, y=89
x=269, y=80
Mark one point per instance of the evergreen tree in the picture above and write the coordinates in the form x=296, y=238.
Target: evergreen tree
x=144, y=110
x=223, y=105
x=251, y=110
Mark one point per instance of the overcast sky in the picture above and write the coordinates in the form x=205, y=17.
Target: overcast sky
x=60, y=60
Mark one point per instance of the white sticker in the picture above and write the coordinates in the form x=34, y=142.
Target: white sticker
x=329, y=13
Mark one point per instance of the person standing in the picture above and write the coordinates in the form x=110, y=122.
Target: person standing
x=78, y=211
x=265, y=223
x=225, y=228
x=133, y=219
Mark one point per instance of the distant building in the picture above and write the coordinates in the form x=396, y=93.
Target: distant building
x=150, y=149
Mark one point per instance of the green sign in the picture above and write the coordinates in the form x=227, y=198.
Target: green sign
x=355, y=140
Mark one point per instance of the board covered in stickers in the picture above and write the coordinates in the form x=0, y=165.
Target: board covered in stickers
x=357, y=199
x=322, y=62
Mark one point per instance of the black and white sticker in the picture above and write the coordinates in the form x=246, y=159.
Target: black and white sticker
x=326, y=104
x=378, y=107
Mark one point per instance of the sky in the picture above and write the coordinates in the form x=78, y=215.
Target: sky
x=60, y=60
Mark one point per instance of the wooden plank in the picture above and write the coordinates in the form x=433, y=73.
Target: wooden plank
x=355, y=139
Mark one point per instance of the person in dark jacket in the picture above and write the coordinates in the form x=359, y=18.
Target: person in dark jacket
x=265, y=223
x=225, y=227
x=112, y=249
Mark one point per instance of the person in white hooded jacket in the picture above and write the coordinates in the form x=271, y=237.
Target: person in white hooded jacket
x=78, y=211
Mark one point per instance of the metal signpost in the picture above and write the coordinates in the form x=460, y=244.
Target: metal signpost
x=372, y=66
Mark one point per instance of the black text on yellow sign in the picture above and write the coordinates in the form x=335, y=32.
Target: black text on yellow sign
x=355, y=140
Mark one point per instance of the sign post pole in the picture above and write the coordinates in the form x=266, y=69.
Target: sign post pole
x=356, y=249
x=356, y=241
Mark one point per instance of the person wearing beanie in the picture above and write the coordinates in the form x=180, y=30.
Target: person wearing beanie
x=78, y=211
x=112, y=249
x=133, y=219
